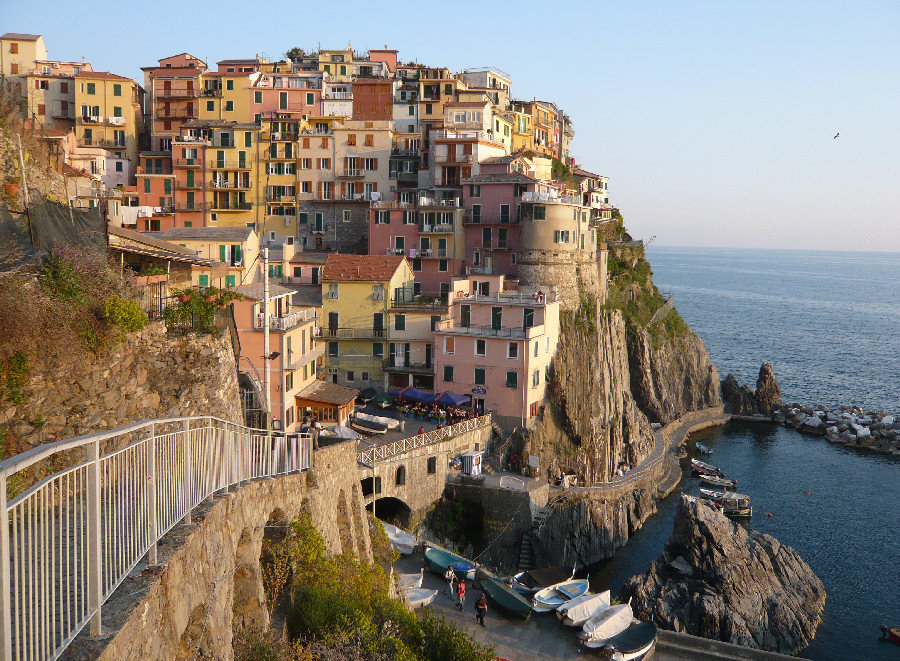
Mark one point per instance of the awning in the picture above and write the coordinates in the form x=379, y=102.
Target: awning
x=452, y=399
x=412, y=394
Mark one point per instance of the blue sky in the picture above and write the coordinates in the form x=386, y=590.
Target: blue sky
x=713, y=120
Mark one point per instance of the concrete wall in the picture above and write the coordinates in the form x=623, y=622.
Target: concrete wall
x=208, y=583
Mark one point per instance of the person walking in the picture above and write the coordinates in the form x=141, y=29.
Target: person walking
x=450, y=577
x=461, y=593
x=481, y=609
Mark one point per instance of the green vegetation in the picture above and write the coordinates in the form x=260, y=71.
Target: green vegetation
x=561, y=172
x=123, y=314
x=340, y=609
x=196, y=309
x=459, y=521
x=15, y=369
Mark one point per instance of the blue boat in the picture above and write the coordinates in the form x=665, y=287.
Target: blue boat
x=438, y=560
x=705, y=449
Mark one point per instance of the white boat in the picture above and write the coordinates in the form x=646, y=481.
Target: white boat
x=417, y=597
x=716, y=481
x=606, y=624
x=633, y=643
x=549, y=599
x=705, y=449
x=576, y=612
x=401, y=541
x=407, y=581
x=390, y=423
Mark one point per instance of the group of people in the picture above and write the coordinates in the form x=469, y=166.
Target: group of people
x=446, y=415
x=458, y=592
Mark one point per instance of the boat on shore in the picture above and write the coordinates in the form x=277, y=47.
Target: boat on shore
x=576, y=612
x=400, y=540
x=505, y=597
x=439, y=559
x=705, y=449
x=418, y=597
x=730, y=502
x=890, y=633
x=702, y=468
x=368, y=426
x=530, y=581
x=407, y=581
x=551, y=598
x=633, y=643
x=606, y=624
x=716, y=481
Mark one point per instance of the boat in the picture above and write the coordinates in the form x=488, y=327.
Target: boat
x=551, y=598
x=731, y=503
x=417, y=597
x=368, y=426
x=606, y=624
x=406, y=581
x=576, y=612
x=529, y=582
x=438, y=560
x=893, y=634
x=705, y=449
x=390, y=423
x=703, y=468
x=716, y=481
x=633, y=643
x=401, y=541
x=505, y=597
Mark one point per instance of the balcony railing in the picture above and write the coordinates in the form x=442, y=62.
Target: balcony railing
x=546, y=198
x=337, y=96
x=189, y=162
x=398, y=364
x=351, y=173
x=490, y=219
x=529, y=298
x=231, y=206
x=177, y=93
x=286, y=322
x=196, y=207
x=230, y=165
x=114, y=144
x=175, y=113
x=419, y=303
x=327, y=333
x=233, y=185
x=436, y=229
x=513, y=332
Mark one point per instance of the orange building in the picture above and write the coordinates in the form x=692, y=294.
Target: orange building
x=173, y=92
x=373, y=99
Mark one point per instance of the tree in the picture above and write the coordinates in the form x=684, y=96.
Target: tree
x=294, y=54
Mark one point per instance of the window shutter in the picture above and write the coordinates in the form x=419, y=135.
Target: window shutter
x=237, y=253
x=222, y=253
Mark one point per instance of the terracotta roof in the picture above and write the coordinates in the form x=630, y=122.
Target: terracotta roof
x=499, y=178
x=578, y=172
x=105, y=75
x=73, y=172
x=207, y=233
x=20, y=36
x=256, y=290
x=144, y=238
x=328, y=392
x=176, y=71
x=361, y=268
x=309, y=257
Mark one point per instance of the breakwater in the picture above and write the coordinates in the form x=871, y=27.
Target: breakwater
x=850, y=426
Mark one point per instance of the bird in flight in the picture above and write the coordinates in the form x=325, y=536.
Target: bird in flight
x=836, y=136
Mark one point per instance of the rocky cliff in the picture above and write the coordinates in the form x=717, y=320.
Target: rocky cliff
x=741, y=400
x=719, y=580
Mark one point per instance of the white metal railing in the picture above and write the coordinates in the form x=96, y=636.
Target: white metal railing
x=381, y=452
x=72, y=538
x=287, y=321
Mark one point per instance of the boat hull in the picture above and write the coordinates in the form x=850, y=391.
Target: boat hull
x=716, y=481
x=505, y=598
x=438, y=560
x=549, y=599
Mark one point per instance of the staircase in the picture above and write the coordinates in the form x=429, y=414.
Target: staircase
x=662, y=312
x=526, y=557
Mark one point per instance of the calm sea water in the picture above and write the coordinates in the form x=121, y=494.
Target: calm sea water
x=829, y=324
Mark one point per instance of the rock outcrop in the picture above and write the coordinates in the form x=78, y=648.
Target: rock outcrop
x=852, y=426
x=719, y=580
x=741, y=400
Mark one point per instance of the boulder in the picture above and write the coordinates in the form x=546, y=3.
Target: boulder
x=887, y=421
x=832, y=435
x=768, y=392
x=744, y=587
x=863, y=432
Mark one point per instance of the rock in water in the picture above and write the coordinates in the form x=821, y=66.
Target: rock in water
x=744, y=588
x=768, y=392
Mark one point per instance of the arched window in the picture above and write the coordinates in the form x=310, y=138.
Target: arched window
x=401, y=476
x=432, y=465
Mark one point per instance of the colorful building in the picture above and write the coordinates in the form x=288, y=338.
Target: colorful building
x=357, y=315
x=497, y=346
x=175, y=89
x=109, y=114
x=50, y=90
x=18, y=55
x=235, y=247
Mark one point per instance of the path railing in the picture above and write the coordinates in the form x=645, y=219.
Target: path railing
x=72, y=538
x=381, y=452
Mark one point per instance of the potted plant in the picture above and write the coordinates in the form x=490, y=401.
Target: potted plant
x=183, y=295
x=12, y=186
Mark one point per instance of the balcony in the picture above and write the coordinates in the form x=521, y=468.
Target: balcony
x=187, y=93
x=231, y=206
x=337, y=96
x=163, y=211
x=526, y=298
x=351, y=333
x=351, y=173
x=398, y=364
x=283, y=136
x=110, y=144
x=308, y=357
x=212, y=92
x=230, y=165
x=188, y=163
x=489, y=219
x=453, y=158
x=512, y=332
x=175, y=113
x=285, y=322
x=404, y=152
x=436, y=229
x=230, y=185
x=197, y=207
x=546, y=198
x=419, y=304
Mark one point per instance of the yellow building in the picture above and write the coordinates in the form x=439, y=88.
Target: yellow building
x=229, y=99
x=235, y=248
x=437, y=86
x=356, y=311
x=338, y=64
x=109, y=113
x=522, y=137
x=19, y=52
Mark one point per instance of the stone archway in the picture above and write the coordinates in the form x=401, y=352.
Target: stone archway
x=393, y=510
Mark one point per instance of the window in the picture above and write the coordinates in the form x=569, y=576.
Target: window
x=479, y=376
x=210, y=106
x=409, y=217
x=305, y=163
x=91, y=88
x=378, y=349
x=428, y=108
x=480, y=347
x=378, y=292
x=540, y=212
x=288, y=381
x=535, y=378
x=248, y=139
x=14, y=48
x=332, y=291
x=448, y=373
x=443, y=265
x=382, y=217
x=512, y=379
x=351, y=376
x=229, y=85
x=229, y=106
x=512, y=350
x=400, y=477
x=310, y=99
x=345, y=216
x=303, y=218
x=364, y=376
x=432, y=465
x=449, y=344
x=257, y=97
x=412, y=112
x=318, y=227
x=416, y=264
x=370, y=140
x=119, y=166
x=533, y=409
x=204, y=280
x=146, y=185
x=332, y=348
x=117, y=90
x=537, y=346
x=230, y=280
x=400, y=322
x=476, y=213
x=475, y=190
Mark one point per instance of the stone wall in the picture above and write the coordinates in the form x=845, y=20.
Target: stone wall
x=208, y=583
x=336, y=234
x=149, y=375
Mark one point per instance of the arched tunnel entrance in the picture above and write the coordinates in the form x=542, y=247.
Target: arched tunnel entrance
x=392, y=510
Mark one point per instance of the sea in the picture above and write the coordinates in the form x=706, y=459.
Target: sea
x=829, y=323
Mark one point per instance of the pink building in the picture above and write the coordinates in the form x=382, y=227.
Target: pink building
x=430, y=234
x=491, y=200
x=497, y=346
x=286, y=93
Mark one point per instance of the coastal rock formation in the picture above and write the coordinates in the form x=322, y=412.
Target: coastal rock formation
x=851, y=426
x=741, y=400
x=671, y=374
x=719, y=580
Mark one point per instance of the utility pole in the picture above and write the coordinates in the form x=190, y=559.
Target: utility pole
x=267, y=372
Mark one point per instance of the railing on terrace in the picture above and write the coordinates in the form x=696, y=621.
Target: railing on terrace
x=71, y=539
x=527, y=297
x=381, y=452
x=419, y=303
x=515, y=332
x=544, y=198
x=287, y=321
x=350, y=333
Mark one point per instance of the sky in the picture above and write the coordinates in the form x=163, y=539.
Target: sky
x=713, y=120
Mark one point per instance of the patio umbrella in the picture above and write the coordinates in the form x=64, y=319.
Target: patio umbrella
x=413, y=395
x=452, y=399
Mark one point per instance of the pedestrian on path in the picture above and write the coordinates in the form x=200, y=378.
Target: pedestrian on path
x=461, y=593
x=450, y=577
x=481, y=609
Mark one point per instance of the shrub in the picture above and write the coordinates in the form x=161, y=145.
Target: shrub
x=443, y=641
x=15, y=370
x=123, y=314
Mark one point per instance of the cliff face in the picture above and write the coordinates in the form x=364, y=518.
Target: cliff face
x=671, y=373
x=592, y=422
x=719, y=580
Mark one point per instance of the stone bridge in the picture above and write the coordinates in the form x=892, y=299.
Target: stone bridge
x=410, y=474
